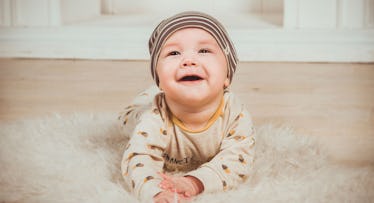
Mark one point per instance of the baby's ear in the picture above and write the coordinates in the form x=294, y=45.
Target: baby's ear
x=227, y=83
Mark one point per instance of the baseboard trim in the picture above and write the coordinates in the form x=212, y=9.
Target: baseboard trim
x=131, y=43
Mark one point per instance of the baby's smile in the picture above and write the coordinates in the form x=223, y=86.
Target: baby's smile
x=191, y=78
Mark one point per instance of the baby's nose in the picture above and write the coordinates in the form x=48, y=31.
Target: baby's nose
x=188, y=62
x=189, y=59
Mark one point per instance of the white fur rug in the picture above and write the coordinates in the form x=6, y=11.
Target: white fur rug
x=77, y=159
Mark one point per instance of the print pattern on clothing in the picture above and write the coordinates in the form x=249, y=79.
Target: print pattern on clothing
x=144, y=134
x=241, y=159
x=239, y=137
x=164, y=132
x=148, y=178
x=243, y=177
x=153, y=147
x=156, y=145
x=132, y=184
x=132, y=155
x=225, y=168
x=139, y=165
x=156, y=111
x=125, y=121
x=232, y=132
x=224, y=184
x=238, y=117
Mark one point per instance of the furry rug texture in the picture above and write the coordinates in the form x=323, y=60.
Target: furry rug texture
x=77, y=159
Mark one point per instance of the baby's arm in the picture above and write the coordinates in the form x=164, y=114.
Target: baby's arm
x=231, y=165
x=142, y=159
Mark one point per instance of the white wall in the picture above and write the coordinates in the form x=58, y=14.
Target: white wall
x=329, y=14
x=298, y=14
x=79, y=10
x=263, y=30
x=211, y=6
x=46, y=13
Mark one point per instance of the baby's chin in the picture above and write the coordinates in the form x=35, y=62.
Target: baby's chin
x=193, y=96
x=191, y=83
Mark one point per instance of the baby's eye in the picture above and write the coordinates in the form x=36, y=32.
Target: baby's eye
x=204, y=51
x=173, y=53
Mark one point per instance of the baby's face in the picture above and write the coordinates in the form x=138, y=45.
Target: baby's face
x=192, y=67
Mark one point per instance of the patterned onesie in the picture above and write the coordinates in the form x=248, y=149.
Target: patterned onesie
x=219, y=155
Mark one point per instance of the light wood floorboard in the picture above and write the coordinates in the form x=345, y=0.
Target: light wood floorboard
x=333, y=102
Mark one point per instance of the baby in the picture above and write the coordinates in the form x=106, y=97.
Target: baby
x=191, y=134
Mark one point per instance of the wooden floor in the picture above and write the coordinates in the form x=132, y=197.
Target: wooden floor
x=333, y=102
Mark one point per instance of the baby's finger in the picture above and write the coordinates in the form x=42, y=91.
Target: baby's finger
x=183, y=199
x=168, y=181
x=165, y=186
x=162, y=186
x=180, y=190
x=187, y=194
x=164, y=176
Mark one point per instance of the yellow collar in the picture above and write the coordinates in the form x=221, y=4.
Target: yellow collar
x=212, y=119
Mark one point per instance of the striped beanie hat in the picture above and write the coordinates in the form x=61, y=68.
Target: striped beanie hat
x=191, y=19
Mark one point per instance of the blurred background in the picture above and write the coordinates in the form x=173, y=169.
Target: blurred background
x=263, y=30
x=305, y=64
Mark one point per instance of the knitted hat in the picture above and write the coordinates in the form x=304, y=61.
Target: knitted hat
x=191, y=19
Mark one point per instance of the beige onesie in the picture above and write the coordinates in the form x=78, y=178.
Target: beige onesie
x=219, y=155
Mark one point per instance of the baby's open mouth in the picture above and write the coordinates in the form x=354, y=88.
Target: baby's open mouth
x=191, y=78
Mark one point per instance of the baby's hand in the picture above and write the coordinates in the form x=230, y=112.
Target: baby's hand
x=169, y=197
x=187, y=186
